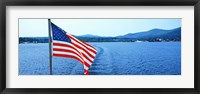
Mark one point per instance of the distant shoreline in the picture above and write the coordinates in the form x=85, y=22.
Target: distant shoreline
x=108, y=42
x=154, y=35
x=27, y=40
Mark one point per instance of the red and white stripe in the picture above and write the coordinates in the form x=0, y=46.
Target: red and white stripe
x=77, y=49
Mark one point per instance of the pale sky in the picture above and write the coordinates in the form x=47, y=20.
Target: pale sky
x=100, y=27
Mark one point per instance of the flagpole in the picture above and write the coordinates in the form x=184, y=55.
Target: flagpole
x=50, y=49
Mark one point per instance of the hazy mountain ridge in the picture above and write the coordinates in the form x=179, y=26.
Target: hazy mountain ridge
x=89, y=36
x=152, y=35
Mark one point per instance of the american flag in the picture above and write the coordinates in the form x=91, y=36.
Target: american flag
x=66, y=45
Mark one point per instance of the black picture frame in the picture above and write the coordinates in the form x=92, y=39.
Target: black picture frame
x=4, y=3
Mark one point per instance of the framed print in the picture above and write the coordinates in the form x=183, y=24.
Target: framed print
x=100, y=46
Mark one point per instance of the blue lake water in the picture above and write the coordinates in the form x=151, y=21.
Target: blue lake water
x=113, y=58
